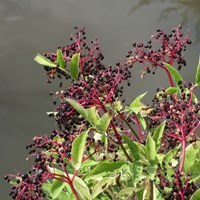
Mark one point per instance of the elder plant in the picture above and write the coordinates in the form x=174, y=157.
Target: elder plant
x=103, y=147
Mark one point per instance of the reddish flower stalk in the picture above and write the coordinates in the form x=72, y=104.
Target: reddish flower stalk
x=170, y=51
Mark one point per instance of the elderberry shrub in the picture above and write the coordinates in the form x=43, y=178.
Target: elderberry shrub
x=101, y=149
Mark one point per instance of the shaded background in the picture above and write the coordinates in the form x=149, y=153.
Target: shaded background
x=31, y=26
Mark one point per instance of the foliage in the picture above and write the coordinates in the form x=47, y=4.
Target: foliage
x=102, y=149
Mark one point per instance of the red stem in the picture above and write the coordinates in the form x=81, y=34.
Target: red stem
x=183, y=153
x=116, y=133
x=139, y=128
x=73, y=190
x=168, y=75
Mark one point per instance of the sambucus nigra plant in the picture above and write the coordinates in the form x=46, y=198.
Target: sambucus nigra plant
x=102, y=150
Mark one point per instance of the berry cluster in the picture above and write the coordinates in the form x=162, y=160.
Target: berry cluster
x=170, y=51
x=180, y=184
x=97, y=84
x=180, y=113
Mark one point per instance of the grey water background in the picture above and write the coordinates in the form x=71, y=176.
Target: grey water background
x=31, y=26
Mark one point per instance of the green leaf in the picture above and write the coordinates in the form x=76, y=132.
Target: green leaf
x=63, y=196
x=102, y=185
x=81, y=188
x=78, y=148
x=74, y=66
x=151, y=170
x=132, y=146
x=128, y=191
x=198, y=74
x=56, y=171
x=46, y=187
x=170, y=155
x=118, y=105
x=89, y=114
x=137, y=172
x=194, y=98
x=104, y=139
x=72, y=197
x=78, y=107
x=104, y=168
x=192, y=154
x=151, y=149
x=88, y=163
x=176, y=76
x=142, y=121
x=103, y=122
x=171, y=90
x=136, y=105
x=196, y=195
x=158, y=195
x=92, y=116
x=56, y=188
x=192, y=160
x=158, y=134
x=60, y=59
x=42, y=60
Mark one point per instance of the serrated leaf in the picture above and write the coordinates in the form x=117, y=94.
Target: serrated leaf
x=137, y=105
x=103, y=122
x=56, y=188
x=102, y=185
x=176, y=76
x=78, y=148
x=60, y=59
x=74, y=66
x=104, y=168
x=151, y=149
x=42, y=60
x=158, y=134
x=196, y=195
x=132, y=146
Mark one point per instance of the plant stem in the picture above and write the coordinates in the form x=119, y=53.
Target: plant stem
x=120, y=143
x=151, y=190
x=183, y=154
x=168, y=75
x=73, y=190
x=127, y=123
x=116, y=133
